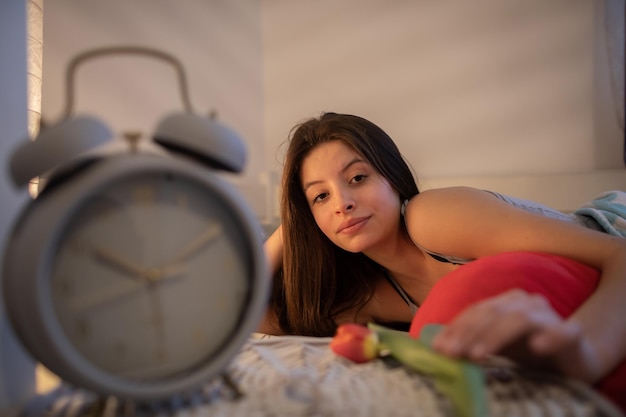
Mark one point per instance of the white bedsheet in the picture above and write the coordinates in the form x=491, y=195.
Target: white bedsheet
x=300, y=376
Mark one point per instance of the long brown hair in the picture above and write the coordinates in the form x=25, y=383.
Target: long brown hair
x=319, y=280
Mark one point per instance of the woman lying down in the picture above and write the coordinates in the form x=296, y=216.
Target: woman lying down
x=360, y=243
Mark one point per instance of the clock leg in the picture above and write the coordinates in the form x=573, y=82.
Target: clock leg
x=77, y=403
x=128, y=408
x=230, y=384
x=103, y=407
x=110, y=405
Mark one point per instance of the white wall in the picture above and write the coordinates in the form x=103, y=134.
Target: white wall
x=482, y=90
x=16, y=369
x=218, y=42
x=471, y=91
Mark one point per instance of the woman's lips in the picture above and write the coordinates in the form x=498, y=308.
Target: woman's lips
x=352, y=225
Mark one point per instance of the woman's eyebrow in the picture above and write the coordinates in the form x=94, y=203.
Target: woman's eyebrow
x=344, y=169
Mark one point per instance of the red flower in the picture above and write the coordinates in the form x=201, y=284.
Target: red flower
x=355, y=342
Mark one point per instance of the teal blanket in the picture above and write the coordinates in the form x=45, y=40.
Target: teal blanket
x=608, y=210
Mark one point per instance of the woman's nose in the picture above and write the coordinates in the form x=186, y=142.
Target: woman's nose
x=346, y=203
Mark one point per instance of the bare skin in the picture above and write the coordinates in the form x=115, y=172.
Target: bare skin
x=357, y=209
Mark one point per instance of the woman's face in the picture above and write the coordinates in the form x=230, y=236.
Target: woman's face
x=353, y=205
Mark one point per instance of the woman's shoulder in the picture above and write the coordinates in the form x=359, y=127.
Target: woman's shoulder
x=437, y=198
x=436, y=217
x=425, y=212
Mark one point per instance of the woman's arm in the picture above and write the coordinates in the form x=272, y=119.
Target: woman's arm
x=273, y=248
x=470, y=223
x=269, y=324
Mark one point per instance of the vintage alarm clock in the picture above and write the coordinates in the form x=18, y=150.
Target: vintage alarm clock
x=138, y=272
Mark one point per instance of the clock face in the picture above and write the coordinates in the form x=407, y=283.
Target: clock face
x=152, y=276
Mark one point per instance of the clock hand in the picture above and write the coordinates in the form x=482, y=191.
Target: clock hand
x=122, y=289
x=147, y=274
x=165, y=272
x=213, y=231
x=102, y=296
x=173, y=267
x=119, y=261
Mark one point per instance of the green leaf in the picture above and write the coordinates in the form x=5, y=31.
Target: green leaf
x=462, y=382
x=428, y=333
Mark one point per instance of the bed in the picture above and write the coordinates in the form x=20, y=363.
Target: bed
x=301, y=376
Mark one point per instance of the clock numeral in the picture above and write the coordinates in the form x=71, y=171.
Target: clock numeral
x=161, y=356
x=80, y=246
x=102, y=209
x=120, y=349
x=66, y=287
x=222, y=304
x=199, y=336
x=145, y=195
x=229, y=264
x=182, y=200
x=83, y=329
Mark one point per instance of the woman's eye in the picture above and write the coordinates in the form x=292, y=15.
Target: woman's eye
x=358, y=178
x=319, y=197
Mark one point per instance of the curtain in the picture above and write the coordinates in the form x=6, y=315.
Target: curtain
x=34, y=43
x=44, y=379
x=614, y=15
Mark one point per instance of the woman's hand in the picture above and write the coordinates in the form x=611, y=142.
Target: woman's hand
x=525, y=328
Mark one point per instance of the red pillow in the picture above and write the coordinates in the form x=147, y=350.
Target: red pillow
x=563, y=282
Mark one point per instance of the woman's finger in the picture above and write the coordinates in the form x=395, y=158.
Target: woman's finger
x=489, y=326
x=553, y=339
x=525, y=328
